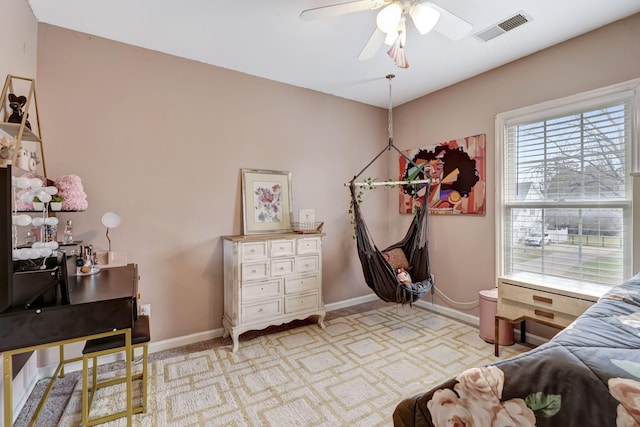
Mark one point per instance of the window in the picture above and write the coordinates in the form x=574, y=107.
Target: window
x=564, y=186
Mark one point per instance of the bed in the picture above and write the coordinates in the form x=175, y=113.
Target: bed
x=587, y=375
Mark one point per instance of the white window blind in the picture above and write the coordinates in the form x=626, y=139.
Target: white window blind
x=566, y=207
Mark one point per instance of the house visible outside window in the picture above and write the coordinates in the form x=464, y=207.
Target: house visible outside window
x=564, y=186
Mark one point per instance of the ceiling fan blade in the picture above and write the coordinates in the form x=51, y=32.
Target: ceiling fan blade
x=373, y=45
x=342, y=8
x=450, y=25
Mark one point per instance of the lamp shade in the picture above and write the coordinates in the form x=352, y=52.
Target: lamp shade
x=111, y=220
x=424, y=17
x=389, y=18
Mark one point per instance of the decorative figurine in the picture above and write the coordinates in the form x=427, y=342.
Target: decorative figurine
x=17, y=103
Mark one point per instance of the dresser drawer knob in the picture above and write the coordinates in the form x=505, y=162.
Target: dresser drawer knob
x=542, y=299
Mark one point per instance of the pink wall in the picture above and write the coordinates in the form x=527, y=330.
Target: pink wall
x=19, y=40
x=463, y=248
x=18, y=57
x=161, y=140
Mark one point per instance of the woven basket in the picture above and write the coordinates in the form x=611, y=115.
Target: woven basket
x=307, y=227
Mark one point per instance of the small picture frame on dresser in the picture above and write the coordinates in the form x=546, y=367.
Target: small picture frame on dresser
x=266, y=201
x=307, y=216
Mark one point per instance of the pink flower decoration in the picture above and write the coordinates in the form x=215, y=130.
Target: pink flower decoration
x=70, y=187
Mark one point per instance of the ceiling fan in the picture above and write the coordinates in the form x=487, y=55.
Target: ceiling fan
x=391, y=23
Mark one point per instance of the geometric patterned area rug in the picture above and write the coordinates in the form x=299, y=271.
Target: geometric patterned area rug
x=353, y=373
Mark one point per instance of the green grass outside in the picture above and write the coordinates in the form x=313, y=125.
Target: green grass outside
x=591, y=270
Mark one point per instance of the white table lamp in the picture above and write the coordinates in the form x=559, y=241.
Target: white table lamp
x=112, y=220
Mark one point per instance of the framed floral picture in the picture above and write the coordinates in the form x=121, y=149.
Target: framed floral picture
x=266, y=201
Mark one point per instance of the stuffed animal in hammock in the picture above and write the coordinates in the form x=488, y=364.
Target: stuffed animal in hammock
x=403, y=277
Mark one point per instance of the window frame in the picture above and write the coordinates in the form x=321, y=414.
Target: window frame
x=629, y=90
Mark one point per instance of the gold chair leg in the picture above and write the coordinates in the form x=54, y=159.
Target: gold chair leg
x=8, y=380
x=85, y=384
x=129, y=351
x=129, y=354
x=61, y=349
x=145, y=378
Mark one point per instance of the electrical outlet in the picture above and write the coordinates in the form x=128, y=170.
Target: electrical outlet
x=145, y=310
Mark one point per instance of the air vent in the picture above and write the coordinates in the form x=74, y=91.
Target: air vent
x=502, y=27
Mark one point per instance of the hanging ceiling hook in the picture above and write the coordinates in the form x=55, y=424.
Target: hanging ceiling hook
x=390, y=113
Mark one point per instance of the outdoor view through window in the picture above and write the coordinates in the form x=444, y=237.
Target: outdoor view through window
x=567, y=193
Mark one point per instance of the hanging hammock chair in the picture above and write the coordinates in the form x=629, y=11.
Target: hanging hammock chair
x=379, y=274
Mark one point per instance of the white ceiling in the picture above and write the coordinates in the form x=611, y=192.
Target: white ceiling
x=267, y=38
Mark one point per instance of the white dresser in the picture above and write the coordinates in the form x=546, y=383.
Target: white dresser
x=551, y=301
x=270, y=279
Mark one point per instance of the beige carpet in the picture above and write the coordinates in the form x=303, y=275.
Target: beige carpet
x=353, y=373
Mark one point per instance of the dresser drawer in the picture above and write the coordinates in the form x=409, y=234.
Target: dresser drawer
x=254, y=312
x=282, y=267
x=514, y=310
x=260, y=291
x=301, y=284
x=253, y=250
x=255, y=271
x=544, y=301
x=270, y=279
x=282, y=247
x=306, y=264
x=310, y=245
x=295, y=303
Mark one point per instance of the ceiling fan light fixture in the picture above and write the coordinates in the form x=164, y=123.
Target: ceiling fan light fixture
x=397, y=54
x=391, y=37
x=389, y=18
x=424, y=17
x=400, y=31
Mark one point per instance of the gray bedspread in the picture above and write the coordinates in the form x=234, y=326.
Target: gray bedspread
x=587, y=375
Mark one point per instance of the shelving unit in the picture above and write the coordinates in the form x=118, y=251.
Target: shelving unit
x=20, y=130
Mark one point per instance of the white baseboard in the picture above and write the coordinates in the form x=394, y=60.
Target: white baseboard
x=350, y=302
x=450, y=312
x=155, y=347
x=473, y=320
x=216, y=333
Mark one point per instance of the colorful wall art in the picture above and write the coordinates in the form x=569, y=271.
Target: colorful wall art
x=457, y=170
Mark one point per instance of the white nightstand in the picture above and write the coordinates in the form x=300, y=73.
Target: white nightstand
x=551, y=301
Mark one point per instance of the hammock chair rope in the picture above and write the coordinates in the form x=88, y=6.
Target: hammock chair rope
x=378, y=273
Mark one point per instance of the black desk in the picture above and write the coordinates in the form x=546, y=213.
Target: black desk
x=101, y=304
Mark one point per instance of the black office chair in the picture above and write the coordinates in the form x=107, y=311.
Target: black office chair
x=140, y=337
